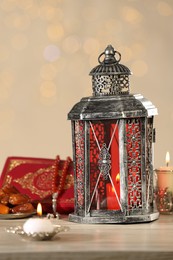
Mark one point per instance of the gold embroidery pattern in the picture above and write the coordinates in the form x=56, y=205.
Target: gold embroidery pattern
x=14, y=163
x=38, y=182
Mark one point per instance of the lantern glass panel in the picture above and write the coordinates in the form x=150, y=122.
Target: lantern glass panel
x=104, y=165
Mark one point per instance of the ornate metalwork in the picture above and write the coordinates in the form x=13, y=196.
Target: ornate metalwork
x=133, y=133
x=104, y=162
x=149, y=166
x=164, y=200
x=110, y=85
x=79, y=146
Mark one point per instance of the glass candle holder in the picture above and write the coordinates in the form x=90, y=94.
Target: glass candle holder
x=164, y=190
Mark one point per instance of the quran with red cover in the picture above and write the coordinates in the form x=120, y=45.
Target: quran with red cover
x=34, y=177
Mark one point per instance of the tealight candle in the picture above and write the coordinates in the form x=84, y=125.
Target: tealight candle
x=38, y=225
x=165, y=186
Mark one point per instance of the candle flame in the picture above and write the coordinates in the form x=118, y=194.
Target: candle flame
x=39, y=210
x=118, y=178
x=167, y=158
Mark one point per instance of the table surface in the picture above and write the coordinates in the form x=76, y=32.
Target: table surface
x=152, y=240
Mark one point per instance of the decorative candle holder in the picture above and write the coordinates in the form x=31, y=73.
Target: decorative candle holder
x=164, y=193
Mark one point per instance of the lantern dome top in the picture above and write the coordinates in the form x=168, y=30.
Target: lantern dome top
x=110, y=77
x=110, y=64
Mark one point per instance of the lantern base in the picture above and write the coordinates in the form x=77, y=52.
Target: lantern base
x=116, y=219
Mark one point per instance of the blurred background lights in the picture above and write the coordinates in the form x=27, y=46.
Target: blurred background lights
x=55, y=32
x=71, y=44
x=51, y=53
x=164, y=8
x=48, y=89
x=20, y=22
x=131, y=15
x=48, y=71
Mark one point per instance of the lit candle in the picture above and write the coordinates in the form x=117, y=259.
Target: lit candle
x=165, y=186
x=112, y=202
x=39, y=224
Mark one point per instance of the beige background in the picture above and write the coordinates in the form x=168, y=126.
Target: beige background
x=47, y=49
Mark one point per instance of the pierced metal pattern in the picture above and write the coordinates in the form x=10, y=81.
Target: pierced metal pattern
x=110, y=84
x=79, y=146
x=104, y=162
x=134, y=164
x=149, y=166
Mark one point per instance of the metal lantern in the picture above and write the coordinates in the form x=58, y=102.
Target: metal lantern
x=112, y=133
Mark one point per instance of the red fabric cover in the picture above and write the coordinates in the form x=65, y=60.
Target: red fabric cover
x=34, y=177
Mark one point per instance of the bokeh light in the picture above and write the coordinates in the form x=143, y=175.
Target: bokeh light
x=51, y=52
x=48, y=72
x=20, y=22
x=71, y=44
x=131, y=15
x=55, y=32
x=164, y=8
x=48, y=89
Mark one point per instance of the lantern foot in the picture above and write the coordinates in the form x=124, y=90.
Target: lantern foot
x=114, y=220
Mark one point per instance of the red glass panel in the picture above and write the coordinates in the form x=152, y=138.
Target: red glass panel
x=112, y=202
x=104, y=165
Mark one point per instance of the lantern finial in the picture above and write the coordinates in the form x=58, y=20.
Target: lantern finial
x=109, y=56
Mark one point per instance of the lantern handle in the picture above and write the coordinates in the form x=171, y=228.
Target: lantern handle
x=109, y=56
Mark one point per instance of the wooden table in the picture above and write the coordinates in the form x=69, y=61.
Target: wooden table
x=107, y=241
